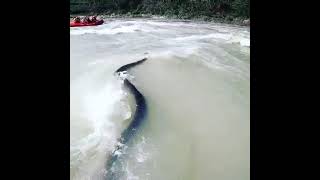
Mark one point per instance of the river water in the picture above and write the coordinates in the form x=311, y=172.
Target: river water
x=196, y=83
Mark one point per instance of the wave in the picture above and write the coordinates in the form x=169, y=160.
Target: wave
x=175, y=30
x=96, y=112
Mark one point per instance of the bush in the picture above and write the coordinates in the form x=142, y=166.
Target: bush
x=241, y=8
x=179, y=8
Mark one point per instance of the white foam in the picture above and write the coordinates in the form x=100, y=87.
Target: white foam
x=207, y=36
x=229, y=34
x=96, y=107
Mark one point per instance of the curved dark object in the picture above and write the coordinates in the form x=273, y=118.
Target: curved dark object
x=128, y=66
x=139, y=115
x=131, y=130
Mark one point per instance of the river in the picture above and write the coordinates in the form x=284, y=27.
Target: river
x=196, y=83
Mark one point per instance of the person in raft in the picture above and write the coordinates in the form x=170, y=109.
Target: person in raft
x=93, y=18
x=87, y=20
x=77, y=19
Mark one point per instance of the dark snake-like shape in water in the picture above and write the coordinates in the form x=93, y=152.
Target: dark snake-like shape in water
x=131, y=130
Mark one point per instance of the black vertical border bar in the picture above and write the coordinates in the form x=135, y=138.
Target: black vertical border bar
x=36, y=67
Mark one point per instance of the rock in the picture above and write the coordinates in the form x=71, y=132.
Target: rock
x=246, y=22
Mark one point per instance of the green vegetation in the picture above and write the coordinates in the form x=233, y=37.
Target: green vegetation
x=182, y=9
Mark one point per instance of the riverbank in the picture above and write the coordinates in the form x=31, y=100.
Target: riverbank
x=226, y=20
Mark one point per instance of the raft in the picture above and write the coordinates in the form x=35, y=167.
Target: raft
x=74, y=24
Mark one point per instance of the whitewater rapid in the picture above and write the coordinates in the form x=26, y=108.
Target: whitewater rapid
x=214, y=57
